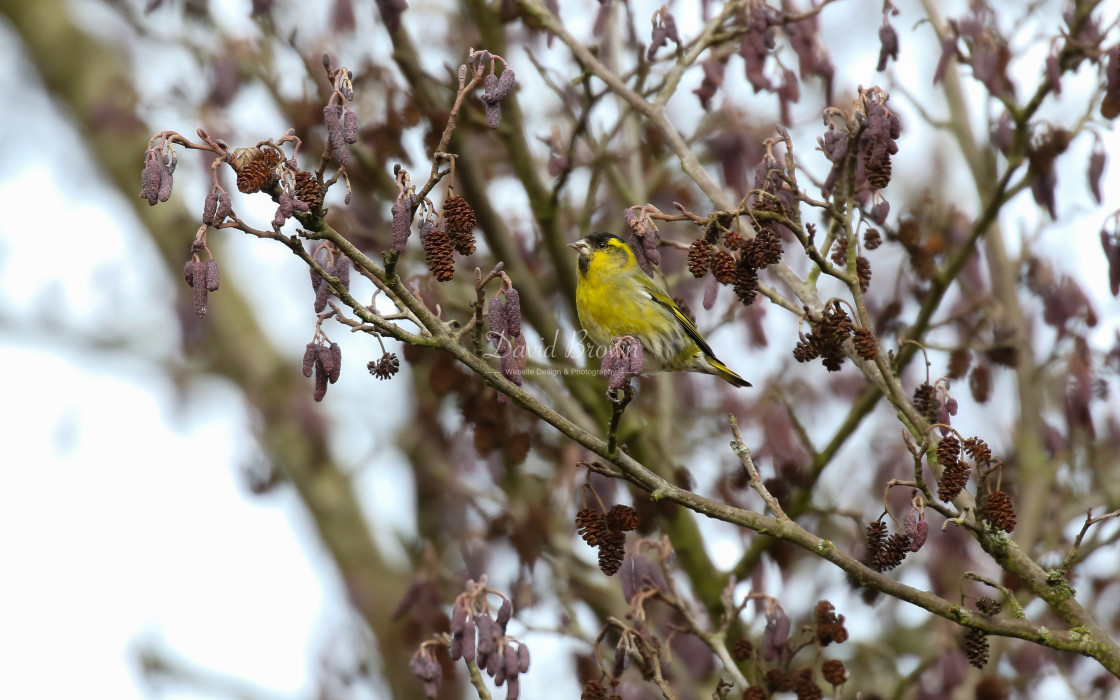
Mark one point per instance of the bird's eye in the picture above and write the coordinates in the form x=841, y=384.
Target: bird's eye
x=602, y=244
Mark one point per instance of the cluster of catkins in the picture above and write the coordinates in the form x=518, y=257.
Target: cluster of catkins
x=504, y=313
x=495, y=88
x=872, y=132
x=826, y=339
x=623, y=362
x=607, y=531
x=975, y=642
x=157, y=177
x=325, y=360
x=995, y=507
x=265, y=168
x=452, y=231
x=202, y=277
x=775, y=649
x=884, y=552
x=738, y=261
x=663, y=31
x=334, y=264
x=217, y=207
x=477, y=637
x=341, y=121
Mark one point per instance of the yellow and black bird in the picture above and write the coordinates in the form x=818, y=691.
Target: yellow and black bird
x=615, y=298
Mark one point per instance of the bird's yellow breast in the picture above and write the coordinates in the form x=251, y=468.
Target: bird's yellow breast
x=611, y=304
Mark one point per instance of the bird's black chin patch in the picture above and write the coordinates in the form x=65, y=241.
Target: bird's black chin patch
x=584, y=262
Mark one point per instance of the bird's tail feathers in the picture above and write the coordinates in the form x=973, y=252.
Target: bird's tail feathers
x=724, y=372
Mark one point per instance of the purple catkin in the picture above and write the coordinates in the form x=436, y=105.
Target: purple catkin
x=499, y=324
x=225, y=208
x=948, y=51
x=320, y=379
x=1096, y=170
x=649, y=244
x=918, y=530
x=342, y=271
x=299, y=204
x=775, y=636
x=619, y=378
x=283, y=211
x=670, y=23
x=513, y=689
x=606, y=367
x=505, y=611
x=332, y=114
x=150, y=179
x=657, y=39
x=310, y=355
x=209, y=207
x=522, y=658
x=888, y=46
x=639, y=249
x=188, y=272
x=487, y=638
x=402, y=225
x=711, y=288
x=494, y=664
x=327, y=362
x=336, y=362
x=621, y=657
x=636, y=358
x=347, y=90
x=509, y=662
x=456, y=649
x=494, y=114
x=350, y=127
x=213, y=275
x=510, y=368
x=512, y=362
x=459, y=617
x=631, y=218
x=513, y=312
x=166, y=177
x=468, y=641
x=322, y=295
x=1054, y=72
x=505, y=85
x=198, y=282
x=880, y=211
x=835, y=143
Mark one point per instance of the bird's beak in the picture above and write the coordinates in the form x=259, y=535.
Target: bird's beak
x=580, y=247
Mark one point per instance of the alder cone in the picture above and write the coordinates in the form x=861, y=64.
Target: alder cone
x=254, y=168
x=459, y=220
x=308, y=190
x=438, y=254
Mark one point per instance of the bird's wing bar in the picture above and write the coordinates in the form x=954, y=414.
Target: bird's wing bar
x=688, y=326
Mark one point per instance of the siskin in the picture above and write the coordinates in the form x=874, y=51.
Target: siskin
x=615, y=297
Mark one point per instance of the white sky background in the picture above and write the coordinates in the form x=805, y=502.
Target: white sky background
x=123, y=519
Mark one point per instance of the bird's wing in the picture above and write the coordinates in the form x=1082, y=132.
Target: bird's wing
x=660, y=298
